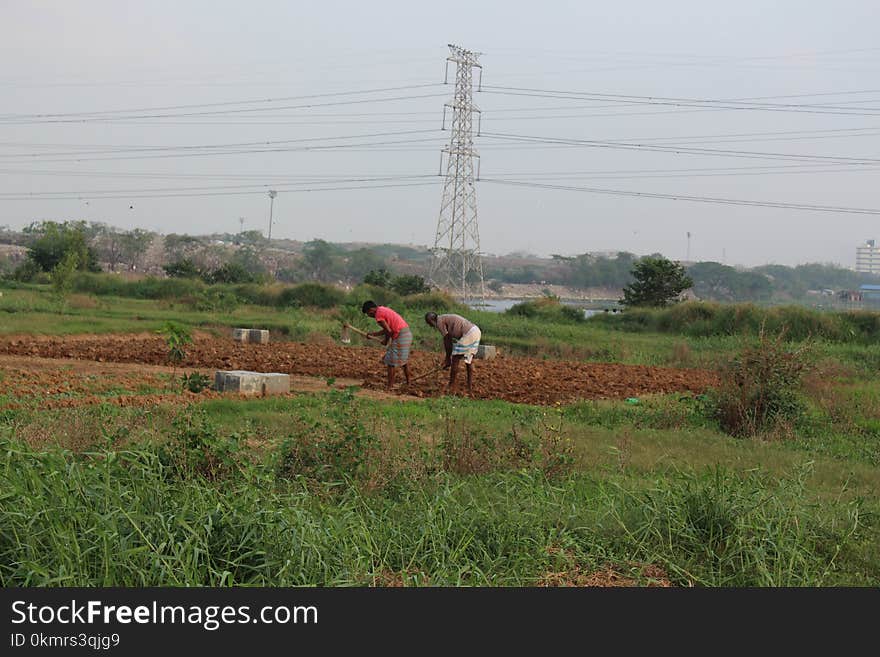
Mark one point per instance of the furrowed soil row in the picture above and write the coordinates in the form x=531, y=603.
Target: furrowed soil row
x=514, y=379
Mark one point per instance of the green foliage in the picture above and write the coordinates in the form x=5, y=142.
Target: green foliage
x=657, y=281
x=336, y=447
x=196, y=448
x=547, y=308
x=436, y=301
x=409, y=284
x=719, y=282
x=760, y=389
x=51, y=242
x=702, y=319
x=362, y=262
x=185, y=268
x=176, y=338
x=62, y=274
x=378, y=278
x=196, y=382
x=27, y=271
x=194, y=512
x=312, y=295
x=231, y=272
x=382, y=296
x=320, y=259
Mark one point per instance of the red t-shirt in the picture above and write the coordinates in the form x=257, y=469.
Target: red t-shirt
x=395, y=322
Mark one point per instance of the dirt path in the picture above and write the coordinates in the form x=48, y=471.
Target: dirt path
x=130, y=361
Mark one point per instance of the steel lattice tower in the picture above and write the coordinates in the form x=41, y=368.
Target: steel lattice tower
x=456, y=264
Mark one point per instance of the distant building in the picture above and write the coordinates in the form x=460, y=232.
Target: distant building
x=870, y=293
x=868, y=258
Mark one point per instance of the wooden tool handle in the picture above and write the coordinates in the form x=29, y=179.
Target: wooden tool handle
x=363, y=333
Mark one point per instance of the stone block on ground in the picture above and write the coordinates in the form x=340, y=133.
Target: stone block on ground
x=486, y=352
x=240, y=334
x=251, y=383
x=258, y=336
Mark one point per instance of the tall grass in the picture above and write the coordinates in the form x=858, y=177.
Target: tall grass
x=702, y=319
x=123, y=518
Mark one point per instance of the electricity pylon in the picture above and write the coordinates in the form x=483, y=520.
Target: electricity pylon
x=456, y=264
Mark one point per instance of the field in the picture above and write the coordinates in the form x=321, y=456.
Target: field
x=589, y=455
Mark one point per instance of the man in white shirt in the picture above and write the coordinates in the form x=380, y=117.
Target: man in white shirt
x=461, y=338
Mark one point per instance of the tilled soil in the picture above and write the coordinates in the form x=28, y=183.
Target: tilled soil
x=511, y=378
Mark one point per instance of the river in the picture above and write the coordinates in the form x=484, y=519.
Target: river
x=500, y=305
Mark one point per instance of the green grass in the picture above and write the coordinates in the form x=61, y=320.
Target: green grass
x=334, y=489
x=126, y=519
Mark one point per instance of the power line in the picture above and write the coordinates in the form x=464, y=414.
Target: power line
x=681, y=102
x=686, y=197
x=191, y=147
x=97, y=119
x=247, y=151
x=260, y=192
x=97, y=192
x=218, y=104
x=682, y=149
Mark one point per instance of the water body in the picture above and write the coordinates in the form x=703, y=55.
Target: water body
x=500, y=305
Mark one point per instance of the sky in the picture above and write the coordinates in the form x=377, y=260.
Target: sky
x=180, y=116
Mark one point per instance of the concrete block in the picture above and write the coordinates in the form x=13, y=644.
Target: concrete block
x=251, y=383
x=276, y=384
x=258, y=336
x=240, y=334
x=486, y=352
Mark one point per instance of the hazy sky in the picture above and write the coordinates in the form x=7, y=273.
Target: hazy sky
x=817, y=63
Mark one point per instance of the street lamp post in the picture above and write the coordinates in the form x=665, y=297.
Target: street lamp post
x=272, y=195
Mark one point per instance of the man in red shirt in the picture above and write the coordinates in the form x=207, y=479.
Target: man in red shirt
x=397, y=335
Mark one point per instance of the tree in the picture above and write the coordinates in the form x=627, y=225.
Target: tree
x=409, y=284
x=657, y=282
x=318, y=259
x=231, y=272
x=182, y=269
x=52, y=242
x=134, y=244
x=181, y=247
x=378, y=277
x=363, y=261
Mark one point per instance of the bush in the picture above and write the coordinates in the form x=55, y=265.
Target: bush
x=185, y=268
x=380, y=295
x=195, y=448
x=147, y=288
x=436, y=301
x=26, y=272
x=760, y=388
x=378, y=277
x=313, y=295
x=549, y=308
x=409, y=284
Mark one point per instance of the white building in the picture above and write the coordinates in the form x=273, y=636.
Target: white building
x=868, y=258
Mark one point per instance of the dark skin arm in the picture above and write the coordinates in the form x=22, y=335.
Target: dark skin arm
x=447, y=344
x=385, y=332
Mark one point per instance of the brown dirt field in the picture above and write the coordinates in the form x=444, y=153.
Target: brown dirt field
x=515, y=379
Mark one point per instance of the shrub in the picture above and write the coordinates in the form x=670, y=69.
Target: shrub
x=313, y=295
x=380, y=295
x=436, y=301
x=195, y=448
x=26, y=272
x=331, y=449
x=196, y=382
x=378, y=277
x=409, y=284
x=761, y=388
x=549, y=308
x=185, y=268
